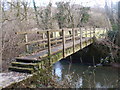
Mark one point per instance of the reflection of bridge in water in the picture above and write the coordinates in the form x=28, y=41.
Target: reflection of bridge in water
x=53, y=46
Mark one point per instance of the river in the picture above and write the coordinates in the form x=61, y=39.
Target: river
x=84, y=76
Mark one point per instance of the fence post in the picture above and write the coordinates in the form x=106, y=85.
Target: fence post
x=26, y=40
x=49, y=43
x=73, y=32
x=63, y=38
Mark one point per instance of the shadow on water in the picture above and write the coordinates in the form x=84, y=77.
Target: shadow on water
x=82, y=74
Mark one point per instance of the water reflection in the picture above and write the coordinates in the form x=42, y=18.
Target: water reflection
x=83, y=76
x=57, y=70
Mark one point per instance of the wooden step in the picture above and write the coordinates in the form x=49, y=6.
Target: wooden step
x=20, y=69
x=26, y=60
x=25, y=65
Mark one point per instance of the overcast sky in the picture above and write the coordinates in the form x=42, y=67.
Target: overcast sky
x=100, y=3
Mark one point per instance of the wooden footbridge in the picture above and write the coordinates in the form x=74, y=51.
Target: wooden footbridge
x=52, y=46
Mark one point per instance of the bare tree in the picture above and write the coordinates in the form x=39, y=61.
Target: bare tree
x=36, y=13
x=46, y=17
x=0, y=37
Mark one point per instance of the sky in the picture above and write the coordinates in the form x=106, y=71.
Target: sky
x=100, y=3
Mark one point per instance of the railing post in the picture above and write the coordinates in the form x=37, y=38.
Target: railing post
x=104, y=32
x=26, y=40
x=73, y=32
x=49, y=43
x=63, y=38
x=86, y=31
x=93, y=31
x=80, y=38
x=86, y=35
x=43, y=37
x=55, y=33
x=90, y=32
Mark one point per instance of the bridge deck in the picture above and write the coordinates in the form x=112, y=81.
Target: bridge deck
x=39, y=55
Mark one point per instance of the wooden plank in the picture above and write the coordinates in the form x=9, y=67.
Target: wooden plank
x=31, y=32
x=56, y=38
x=56, y=41
x=69, y=38
x=25, y=58
x=31, y=42
x=43, y=44
x=56, y=52
x=37, y=31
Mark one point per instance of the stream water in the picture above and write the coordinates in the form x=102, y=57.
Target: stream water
x=83, y=70
x=84, y=76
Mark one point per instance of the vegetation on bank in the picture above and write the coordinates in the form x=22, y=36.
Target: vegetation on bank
x=111, y=43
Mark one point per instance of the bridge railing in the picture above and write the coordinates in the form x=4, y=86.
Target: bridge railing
x=51, y=38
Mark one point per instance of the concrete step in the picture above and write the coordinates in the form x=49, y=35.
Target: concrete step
x=25, y=65
x=20, y=69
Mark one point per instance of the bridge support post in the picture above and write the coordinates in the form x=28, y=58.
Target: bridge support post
x=63, y=38
x=49, y=43
x=73, y=32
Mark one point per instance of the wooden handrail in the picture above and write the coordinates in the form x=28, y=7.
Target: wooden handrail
x=38, y=31
x=31, y=42
x=31, y=32
x=73, y=34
